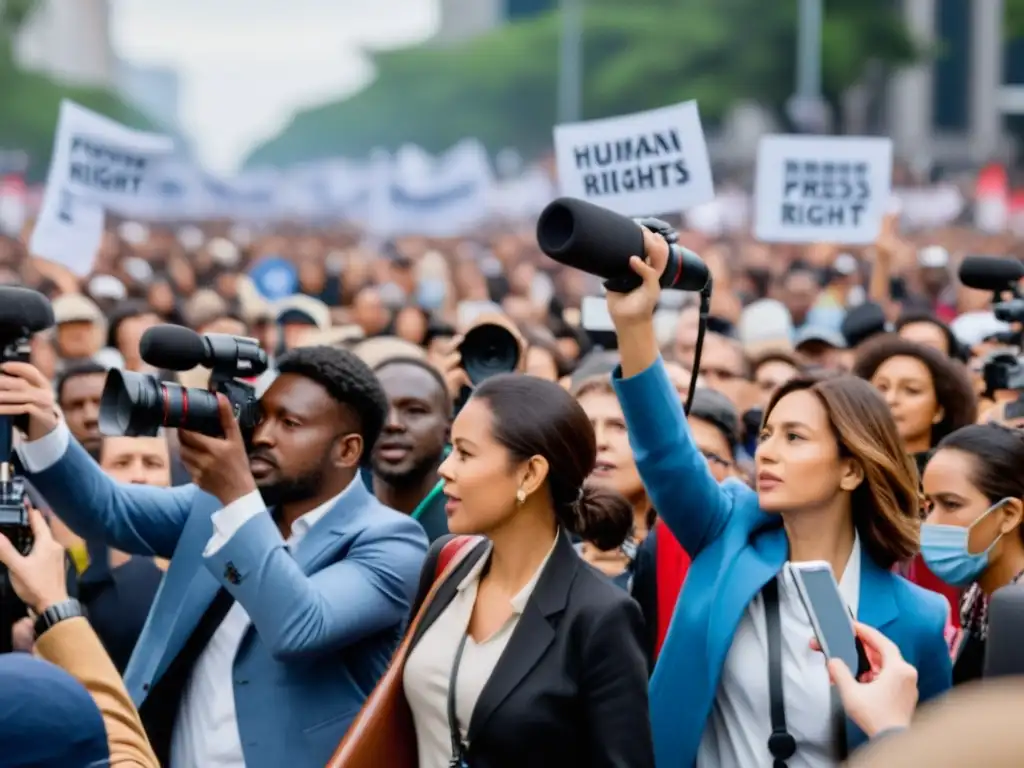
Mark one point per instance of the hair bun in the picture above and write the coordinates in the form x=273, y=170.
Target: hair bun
x=603, y=517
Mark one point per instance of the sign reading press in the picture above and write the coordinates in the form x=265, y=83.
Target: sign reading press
x=832, y=189
x=646, y=163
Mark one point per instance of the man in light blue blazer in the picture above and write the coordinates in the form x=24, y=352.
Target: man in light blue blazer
x=289, y=584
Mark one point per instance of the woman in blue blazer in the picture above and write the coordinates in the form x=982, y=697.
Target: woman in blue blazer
x=833, y=484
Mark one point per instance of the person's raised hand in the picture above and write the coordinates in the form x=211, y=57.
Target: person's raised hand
x=218, y=465
x=637, y=307
x=455, y=375
x=885, y=697
x=24, y=390
x=38, y=578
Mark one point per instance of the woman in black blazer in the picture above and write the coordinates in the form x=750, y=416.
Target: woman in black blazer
x=527, y=656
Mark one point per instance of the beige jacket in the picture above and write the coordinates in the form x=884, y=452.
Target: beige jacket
x=74, y=647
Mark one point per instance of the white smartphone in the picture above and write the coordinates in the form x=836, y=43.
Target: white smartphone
x=830, y=616
x=594, y=315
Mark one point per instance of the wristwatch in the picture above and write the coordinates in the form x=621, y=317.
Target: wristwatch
x=56, y=613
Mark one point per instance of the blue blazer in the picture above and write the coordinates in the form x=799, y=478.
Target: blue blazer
x=736, y=549
x=325, y=621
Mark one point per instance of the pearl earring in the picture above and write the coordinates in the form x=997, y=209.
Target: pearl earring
x=520, y=497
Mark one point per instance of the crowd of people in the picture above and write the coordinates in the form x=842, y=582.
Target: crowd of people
x=520, y=551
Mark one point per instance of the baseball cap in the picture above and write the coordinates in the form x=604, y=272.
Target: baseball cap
x=810, y=334
x=845, y=264
x=716, y=409
x=933, y=257
x=47, y=718
x=305, y=310
x=76, y=308
x=765, y=323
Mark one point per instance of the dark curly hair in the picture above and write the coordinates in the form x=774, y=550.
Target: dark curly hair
x=953, y=389
x=348, y=380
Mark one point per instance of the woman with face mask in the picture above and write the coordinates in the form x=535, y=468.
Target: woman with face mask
x=972, y=538
x=929, y=396
x=833, y=484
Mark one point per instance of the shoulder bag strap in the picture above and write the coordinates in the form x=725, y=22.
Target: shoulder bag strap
x=781, y=743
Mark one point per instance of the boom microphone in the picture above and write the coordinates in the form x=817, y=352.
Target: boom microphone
x=176, y=348
x=990, y=273
x=172, y=347
x=24, y=311
x=595, y=240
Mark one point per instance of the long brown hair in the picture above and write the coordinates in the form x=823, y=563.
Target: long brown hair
x=885, y=505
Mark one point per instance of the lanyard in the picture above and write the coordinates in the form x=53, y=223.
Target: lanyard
x=458, y=748
x=427, y=500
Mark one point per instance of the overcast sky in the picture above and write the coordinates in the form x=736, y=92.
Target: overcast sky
x=247, y=65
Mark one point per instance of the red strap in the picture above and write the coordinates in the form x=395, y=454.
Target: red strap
x=449, y=551
x=671, y=565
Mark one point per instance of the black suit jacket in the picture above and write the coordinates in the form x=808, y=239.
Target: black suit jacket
x=570, y=689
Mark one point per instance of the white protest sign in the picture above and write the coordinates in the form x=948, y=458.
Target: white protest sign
x=646, y=163
x=831, y=189
x=97, y=164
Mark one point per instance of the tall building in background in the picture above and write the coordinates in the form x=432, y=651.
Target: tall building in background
x=154, y=91
x=70, y=41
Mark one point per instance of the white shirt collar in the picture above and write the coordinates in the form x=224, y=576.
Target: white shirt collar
x=302, y=525
x=849, y=584
x=520, y=599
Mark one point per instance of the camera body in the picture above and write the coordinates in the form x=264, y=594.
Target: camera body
x=140, y=405
x=1003, y=370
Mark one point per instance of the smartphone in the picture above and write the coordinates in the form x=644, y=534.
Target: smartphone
x=830, y=617
x=1014, y=410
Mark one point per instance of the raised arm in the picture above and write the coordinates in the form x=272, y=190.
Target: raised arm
x=368, y=591
x=674, y=472
x=132, y=518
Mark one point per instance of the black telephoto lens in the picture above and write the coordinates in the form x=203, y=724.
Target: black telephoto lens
x=137, y=405
x=488, y=350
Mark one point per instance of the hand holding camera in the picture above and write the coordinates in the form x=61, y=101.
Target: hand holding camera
x=25, y=391
x=220, y=466
x=637, y=307
x=38, y=578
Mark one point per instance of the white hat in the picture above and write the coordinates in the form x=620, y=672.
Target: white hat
x=765, y=322
x=972, y=328
x=933, y=257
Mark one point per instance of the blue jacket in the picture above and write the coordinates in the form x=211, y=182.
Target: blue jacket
x=324, y=621
x=736, y=549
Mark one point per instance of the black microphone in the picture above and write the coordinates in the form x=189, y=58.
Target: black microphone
x=990, y=273
x=598, y=241
x=172, y=347
x=176, y=348
x=23, y=312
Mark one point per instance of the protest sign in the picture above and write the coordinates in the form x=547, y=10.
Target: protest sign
x=821, y=188
x=97, y=164
x=647, y=163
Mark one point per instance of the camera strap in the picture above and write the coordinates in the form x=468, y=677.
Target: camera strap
x=781, y=743
x=458, y=759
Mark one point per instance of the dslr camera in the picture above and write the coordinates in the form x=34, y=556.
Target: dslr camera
x=1003, y=370
x=23, y=312
x=139, y=405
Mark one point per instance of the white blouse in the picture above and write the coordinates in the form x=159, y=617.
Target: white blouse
x=429, y=666
x=739, y=725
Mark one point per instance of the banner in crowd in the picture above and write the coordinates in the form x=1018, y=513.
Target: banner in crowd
x=647, y=163
x=97, y=164
x=832, y=189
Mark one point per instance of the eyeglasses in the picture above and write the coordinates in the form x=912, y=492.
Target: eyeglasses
x=714, y=458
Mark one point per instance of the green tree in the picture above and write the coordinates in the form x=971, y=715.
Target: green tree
x=501, y=87
x=30, y=102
